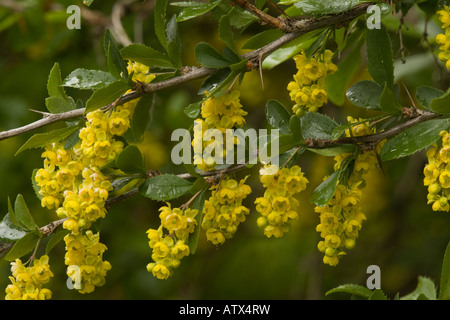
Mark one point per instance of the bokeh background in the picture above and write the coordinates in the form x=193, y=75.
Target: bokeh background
x=402, y=234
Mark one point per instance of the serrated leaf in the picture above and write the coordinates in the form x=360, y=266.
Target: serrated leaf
x=160, y=21
x=23, y=246
x=106, y=95
x=261, y=39
x=317, y=126
x=196, y=9
x=58, y=105
x=425, y=95
x=165, y=187
x=444, y=286
x=130, y=160
x=324, y=7
x=379, y=57
x=54, y=83
x=365, y=94
x=146, y=55
x=174, y=47
x=36, y=188
x=193, y=109
x=23, y=215
x=378, y=295
x=117, y=66
x=441, y=104
x=9, y=233
x=277, y=116
x=353, y=289
x=55, y=239
x=88, y=79
x=226, y=32
x=197, y=205
x=425, y=287
x=413, y=139
x=42, y=139
x=214, y=81
x=208, y=57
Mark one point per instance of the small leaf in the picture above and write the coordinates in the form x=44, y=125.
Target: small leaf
x=365, y=94
x=140, y=120
x=54, y=83
x=36, y=188
x=389, y=102
x=261, y=39
x=325, y=191
x=413, y=139
x=198, y=185
x=277, y=116
x=23, y=215
x=197, y=205
x=117, y=66
x=145, y=55
x=324, y=7
x=353, y=289
x=174, y=47
x=441, y=104
x=55, y=239
x=106, y=95
x=23, y=246
x=378, y=295
x=193, y=109
x=42, y=139
x=207, y=56
x=425, y=95
x=58, y=105
x=214, y=81
x=425, y=287
x=165, y=187
x=444, y=286
x=334, y=151
x=295, y=128
x=88, y=79
x=226, y=33
x=9, y=232
x=196, y=9
x=317, y=126
x=160, y=21
x=130, y=160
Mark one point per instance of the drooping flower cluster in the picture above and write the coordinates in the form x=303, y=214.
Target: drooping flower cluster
x=169, y=241
x=279, y=207
x=437, y=174
x=27, y=282
x=308, y=88
x=84, y=258
x=223, y=211
x=443, y=39
x=341, y=218
x=218, y=114
x=72, y=182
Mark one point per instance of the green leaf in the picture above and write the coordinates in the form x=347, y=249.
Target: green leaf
x=197, y=205
x=23, y=246
x=174, y=47
x=226, y=32
x=160, y=21
x=23, y=215
x=106, y=95
x=55, y=239
x=277, y=116
x=379, y=57
x=165, y=187
x=353, y=289
x=130, y=160
x=337, y=82
x=214, y=81
x=425, y=95
x=208, y=57
x=325, y=191
x=444, y=286
x=317, y=126
x=324, y=7
x=141, y=118
x=334, y=151
x=261, y=39
x=389, y=101
x=145, y=55
x=54, y=87
x=365, y=94
x=36, y=188
x=378, y=295
x=88, y=79
x=198, y=185
x=9, y=232
x=424, y=287
x=441, y=104
x=87, y=2
x=117, y=66
x=58, y=105
x=196, y=9
x=193, y=109
x=42, y=139
x=295, y=127
x=318, y=43
x=413, y=139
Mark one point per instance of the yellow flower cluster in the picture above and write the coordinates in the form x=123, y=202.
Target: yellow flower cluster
x=223, y=211
x=168, y=248
x=218, y=114
x=437, y=174
x=341, y=218
x=26, y=282
x=443, y=39
x=308, y=88
x=72, y=182
x=279, y=207
x=84, y=258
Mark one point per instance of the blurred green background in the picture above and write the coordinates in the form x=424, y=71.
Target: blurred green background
x=402, y=234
